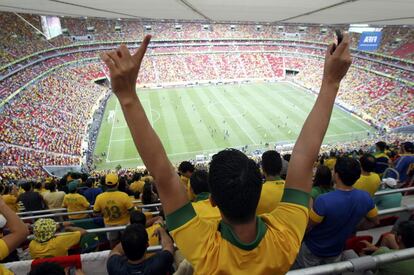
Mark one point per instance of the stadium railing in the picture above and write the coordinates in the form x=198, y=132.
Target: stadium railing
x=77, y=212
x=33, y=213
x=380, y=193
x=360, y=264
x=95, y=263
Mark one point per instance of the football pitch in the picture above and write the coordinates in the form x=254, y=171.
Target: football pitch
x=205, y=119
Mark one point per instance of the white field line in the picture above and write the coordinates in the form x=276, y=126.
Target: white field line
x=217, y=149
x=112, y=132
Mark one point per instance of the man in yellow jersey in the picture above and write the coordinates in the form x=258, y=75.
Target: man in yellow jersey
x=331, y=161
x=369, y=181
x=46, y=244
x=10, y=197
x=241, y=243
x=114, y=205
x=137, y=185
x=186, y=169
x=202, y=204
x=274, y=185
x=382, y=159
x=75, y=202
x=18, y=233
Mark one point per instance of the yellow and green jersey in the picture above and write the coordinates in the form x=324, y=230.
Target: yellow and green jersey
x=114, y=206
x=217, y=250
x=202, y=206
x=272, y=192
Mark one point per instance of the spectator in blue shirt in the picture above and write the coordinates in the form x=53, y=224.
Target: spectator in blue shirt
x=129, y=256
x=335, y=216
x=91, y=192
x=405, y=160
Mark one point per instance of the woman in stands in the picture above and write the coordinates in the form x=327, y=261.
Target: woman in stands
x=322, y=183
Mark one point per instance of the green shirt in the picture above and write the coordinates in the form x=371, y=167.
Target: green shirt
x=398, y=268
x=317, y=191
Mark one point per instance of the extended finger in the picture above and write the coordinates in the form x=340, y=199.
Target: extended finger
x=142, y=49
x=124, y=51
x=343, y=46
x=108, y=61
x=113, y=55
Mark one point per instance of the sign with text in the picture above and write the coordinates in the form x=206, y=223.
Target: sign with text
x=369, y=41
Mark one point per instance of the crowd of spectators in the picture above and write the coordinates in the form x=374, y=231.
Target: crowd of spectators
x=18, y=32
x=54, y=114
x=114, y=198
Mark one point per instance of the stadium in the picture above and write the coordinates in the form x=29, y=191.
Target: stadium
x=145, y=99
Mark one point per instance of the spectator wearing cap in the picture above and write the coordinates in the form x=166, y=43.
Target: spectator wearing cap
x=391, y=200
x=46, y=244
x=406, y=160
x=75, y=202
x=32, y=201
x=114, y=206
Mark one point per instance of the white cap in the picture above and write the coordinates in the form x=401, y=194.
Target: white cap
x=3, y=221
x=390, y=182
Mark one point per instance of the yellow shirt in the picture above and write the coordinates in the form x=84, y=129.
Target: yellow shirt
x=76, y=202
x=381, y=155
x=202, y=206
x=368, y=183
x=137, y=186
x=4, y=252
x=212, y=248
x=57, y=246
x=272, y=192
x=330, y=163
x=115, y=206
x=11, y=202
x=54, y=199
x=186, y=183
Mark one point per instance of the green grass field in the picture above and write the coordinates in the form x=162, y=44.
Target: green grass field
x=192, y=121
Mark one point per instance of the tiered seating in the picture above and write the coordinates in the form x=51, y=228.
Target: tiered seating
x=256, y=66
x=54, y=114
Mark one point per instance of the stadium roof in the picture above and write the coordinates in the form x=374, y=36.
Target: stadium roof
x=379, y=12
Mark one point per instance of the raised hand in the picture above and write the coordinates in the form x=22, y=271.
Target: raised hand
x=337, y=61
x=124, y=68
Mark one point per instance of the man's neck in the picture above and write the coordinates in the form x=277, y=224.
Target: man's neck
x=365, y=173
x=273, y=178
x=343, y=187
x=137, y=261
x=245, y=232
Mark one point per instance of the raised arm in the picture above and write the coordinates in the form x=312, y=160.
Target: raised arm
x=124, y=68
x=18, y=230
x=307, y=146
